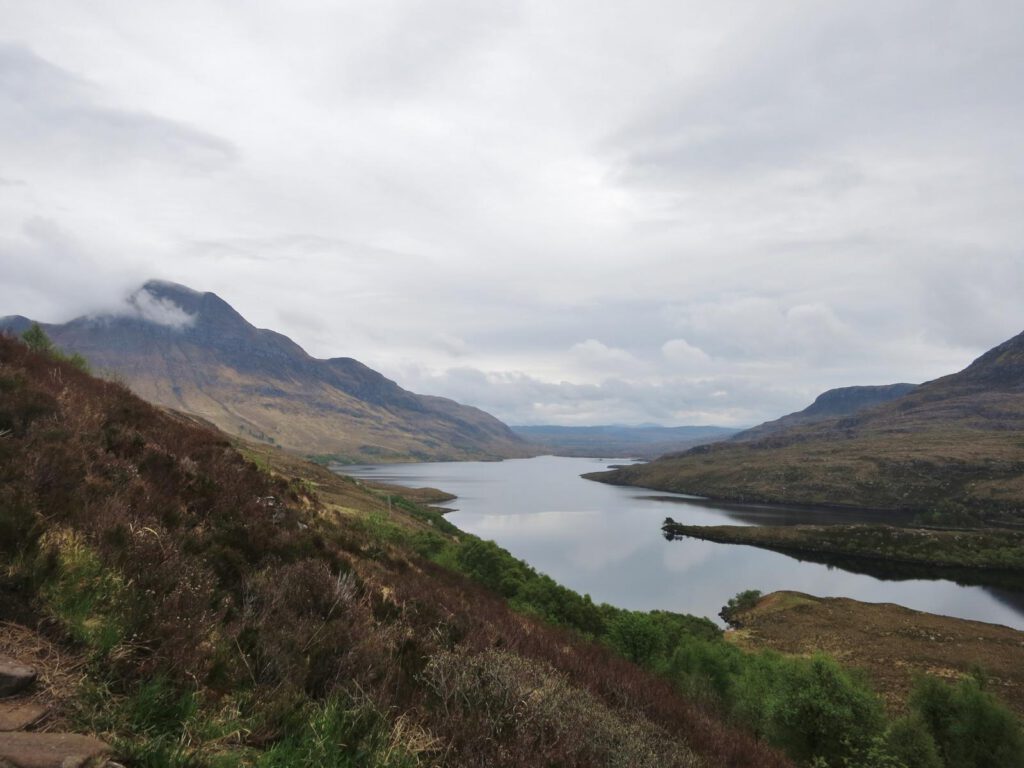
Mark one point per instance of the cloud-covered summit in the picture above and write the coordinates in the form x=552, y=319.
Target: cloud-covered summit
x=147, y=305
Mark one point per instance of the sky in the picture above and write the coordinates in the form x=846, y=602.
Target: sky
x=561, y=211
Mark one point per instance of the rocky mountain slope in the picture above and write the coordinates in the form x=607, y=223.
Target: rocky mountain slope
x=843, y=401
x=952, y=448
x=192, y=352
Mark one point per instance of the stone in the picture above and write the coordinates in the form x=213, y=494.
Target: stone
x=19, y=715
x=15, y=676
x=51, y=750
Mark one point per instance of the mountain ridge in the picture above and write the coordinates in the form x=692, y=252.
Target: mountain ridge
x=192, y=351
x=832, y=403
x=950, y=448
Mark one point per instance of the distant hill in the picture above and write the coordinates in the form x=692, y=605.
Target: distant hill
x=193, y=352
x=952, y=447
x=617, y=441
x=828, y=405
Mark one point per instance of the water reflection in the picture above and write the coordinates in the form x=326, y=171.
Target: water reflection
x=764, y=514
x=606, y=541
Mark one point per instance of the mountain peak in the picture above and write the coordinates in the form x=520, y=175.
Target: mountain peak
x=178, y=306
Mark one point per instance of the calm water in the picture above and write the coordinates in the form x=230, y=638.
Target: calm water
x=606, y=541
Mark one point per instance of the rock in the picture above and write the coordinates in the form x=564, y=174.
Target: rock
x=17, y=716
x=14, y=676
x=51, y=750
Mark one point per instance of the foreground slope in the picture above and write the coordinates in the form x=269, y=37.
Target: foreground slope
x=196, y=601
x=953, y=446
x=214, y=609
x=191, y=351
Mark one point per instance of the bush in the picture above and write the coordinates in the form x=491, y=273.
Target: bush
x=510, y=711
x=820, y=710
x=635, y=636
x=969, y=726
x=909, y=742
x=37, y=340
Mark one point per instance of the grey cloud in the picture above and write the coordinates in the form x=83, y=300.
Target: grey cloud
x=53, y=276
x=569, y=212
x=44, y=106
x=831, y=80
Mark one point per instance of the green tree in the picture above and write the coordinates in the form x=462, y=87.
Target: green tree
x=971, y=728
x=634, y=635
x=822, y=711
x=36, y=339
x=909, y=742
x=488, y=564
x=741, y=602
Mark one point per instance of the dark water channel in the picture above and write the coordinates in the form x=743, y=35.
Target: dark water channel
x=606, y=541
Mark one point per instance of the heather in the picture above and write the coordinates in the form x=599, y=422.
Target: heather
x=231, y=605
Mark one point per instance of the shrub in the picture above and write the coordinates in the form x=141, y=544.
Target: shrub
x=821, y=710
x=909, y=742
x=510, y=711
x=635, y=636
x=36, y=339
x=969, y=726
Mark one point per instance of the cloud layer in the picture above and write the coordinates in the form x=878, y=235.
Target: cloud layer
x=568, y=212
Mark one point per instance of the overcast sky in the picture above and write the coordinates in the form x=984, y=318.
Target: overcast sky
x=562, y=212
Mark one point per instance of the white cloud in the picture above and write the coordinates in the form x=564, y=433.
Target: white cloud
x=595, y=354
x=682, y=353
x=162, y=311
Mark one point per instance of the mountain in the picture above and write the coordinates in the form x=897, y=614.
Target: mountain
x=952, y=448
x=828, y=405
x=193, y=352
x=618, y=441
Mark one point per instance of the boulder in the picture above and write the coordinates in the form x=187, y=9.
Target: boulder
x=15, y=676
x=19, y=715
x=51, y=750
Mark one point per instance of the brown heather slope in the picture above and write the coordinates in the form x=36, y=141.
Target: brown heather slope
x=953, y=444
x=203, y=358
x=890, y=642
x=257, y=610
